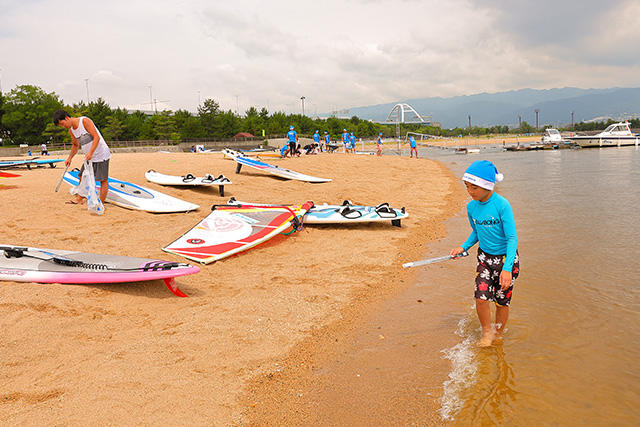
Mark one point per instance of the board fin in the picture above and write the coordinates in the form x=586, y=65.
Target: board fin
x=171, y=285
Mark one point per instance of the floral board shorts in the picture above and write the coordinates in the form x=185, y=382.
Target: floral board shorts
x=488, y=278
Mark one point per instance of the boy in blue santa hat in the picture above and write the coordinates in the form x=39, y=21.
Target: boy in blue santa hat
x=494, y=229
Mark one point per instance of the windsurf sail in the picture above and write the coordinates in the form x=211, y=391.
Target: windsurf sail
x=8, y=175
x=230, y=229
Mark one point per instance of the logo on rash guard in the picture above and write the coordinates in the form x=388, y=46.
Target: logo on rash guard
x=492, y=221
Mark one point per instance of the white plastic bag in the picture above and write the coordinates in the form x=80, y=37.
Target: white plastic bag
x=87, y=188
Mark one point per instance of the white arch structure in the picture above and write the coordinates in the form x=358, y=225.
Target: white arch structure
x=400, y=112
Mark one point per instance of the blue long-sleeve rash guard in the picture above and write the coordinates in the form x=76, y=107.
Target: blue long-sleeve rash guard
x=494, y=227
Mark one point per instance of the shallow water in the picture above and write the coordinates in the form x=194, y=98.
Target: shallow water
x=571, y=351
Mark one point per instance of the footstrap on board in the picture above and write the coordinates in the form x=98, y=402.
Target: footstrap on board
x=385, y=211
x=348, y=212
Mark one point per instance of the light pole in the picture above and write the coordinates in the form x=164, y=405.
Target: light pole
x=519, y=121
x=469, y=121
x=150, y=98
x=537, y=111
x=302, y=98
x=86, y=82
x=572, y=120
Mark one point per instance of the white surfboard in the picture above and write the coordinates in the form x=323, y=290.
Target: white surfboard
x=241, y=159
x=132, y=196
x=188, y=180
x=345, y=213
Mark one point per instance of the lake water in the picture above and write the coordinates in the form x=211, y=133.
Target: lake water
x=571, y=352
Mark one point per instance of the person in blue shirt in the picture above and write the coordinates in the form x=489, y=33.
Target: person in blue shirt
x=493, y=227
x=316, y=139
x=327, y=140
x=379, y=142
x=345, y=140
x=413, y=145
x=352, y=142
x=292, y=137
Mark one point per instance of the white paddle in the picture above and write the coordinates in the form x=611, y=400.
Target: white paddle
x=432, y=260
x=61, y=178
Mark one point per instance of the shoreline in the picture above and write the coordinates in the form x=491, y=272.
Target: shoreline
x=288, y=395
x=105, y=353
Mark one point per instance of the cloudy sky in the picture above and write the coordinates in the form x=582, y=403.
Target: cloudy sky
x=337, y=54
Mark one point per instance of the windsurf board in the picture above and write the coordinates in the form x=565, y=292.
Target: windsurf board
x=41, y=162
x=345, y=213
x=241, y=160
x=228, y=230
x=133, y=196
x=25, y=264
x=14, y=163
x=187, y=180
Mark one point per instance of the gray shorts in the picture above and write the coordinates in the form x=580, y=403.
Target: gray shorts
x=100, y=170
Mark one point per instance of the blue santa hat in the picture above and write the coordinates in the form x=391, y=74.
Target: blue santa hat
x=482, y=173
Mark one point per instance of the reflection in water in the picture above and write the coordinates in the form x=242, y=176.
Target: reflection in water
x=497, y=392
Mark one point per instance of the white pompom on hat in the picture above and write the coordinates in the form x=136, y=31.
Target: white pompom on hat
x=482, y=173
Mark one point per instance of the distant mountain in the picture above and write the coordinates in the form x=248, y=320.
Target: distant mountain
x=503, y=108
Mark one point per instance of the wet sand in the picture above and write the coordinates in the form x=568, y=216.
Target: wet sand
x=131, y=353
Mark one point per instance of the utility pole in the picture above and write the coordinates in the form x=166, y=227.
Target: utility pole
x=469, y=121
x=86, y=81
x=572, y=120
x=537, y=112
x=302, y=98
x=150, y=97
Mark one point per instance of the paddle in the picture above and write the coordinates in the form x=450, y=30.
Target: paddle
x=432, y=260
x=61, y=178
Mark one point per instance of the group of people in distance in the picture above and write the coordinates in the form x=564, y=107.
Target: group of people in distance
x=292, y=146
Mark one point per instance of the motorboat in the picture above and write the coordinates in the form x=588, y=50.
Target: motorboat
x=552, y=136
x=614, y=135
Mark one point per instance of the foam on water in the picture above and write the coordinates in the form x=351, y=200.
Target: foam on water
x=463, y=370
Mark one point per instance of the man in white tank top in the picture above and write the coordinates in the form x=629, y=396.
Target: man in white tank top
x=86, y=136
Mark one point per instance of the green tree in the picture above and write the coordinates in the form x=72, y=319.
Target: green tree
x=163, y=125
x=28, y=109
x=526, y=128
x=113, y=130
x=229, y=125
x=4, y=135
x=55, y=133
x=209, y=113
x=188, y=126
x=99, y=111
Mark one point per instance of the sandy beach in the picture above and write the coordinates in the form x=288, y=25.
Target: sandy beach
x=136, y=354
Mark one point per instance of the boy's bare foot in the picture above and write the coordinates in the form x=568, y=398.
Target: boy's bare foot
x=487, y=339
x=75, y=201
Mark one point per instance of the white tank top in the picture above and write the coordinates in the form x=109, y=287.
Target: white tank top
x=85, y=139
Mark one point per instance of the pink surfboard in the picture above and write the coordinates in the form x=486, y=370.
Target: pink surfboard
x=23, y=264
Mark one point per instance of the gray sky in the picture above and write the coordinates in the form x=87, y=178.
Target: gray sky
x=338, y=54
